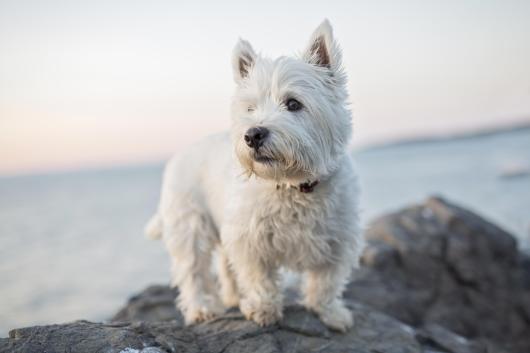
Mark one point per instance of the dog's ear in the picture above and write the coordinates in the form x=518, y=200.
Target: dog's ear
x=322, y=49
x=243, y=58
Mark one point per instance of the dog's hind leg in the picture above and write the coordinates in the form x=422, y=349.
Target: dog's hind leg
x=190, y=238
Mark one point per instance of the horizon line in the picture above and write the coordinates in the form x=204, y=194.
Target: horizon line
x=522, y=124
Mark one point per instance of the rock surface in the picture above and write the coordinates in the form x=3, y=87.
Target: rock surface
x=439, y=264
x=446, y=280
x=299, y=331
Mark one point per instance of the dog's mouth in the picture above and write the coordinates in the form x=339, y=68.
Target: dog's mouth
x=261, y=158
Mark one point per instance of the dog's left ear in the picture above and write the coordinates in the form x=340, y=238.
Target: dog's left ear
x=323, y=50
x=243, y=58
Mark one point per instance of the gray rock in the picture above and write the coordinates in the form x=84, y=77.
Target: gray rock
x=435, y=278
x=300, y=331
x=156, y=303
x=439, y=265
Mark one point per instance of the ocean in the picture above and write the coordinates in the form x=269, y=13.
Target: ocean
x=71, y=244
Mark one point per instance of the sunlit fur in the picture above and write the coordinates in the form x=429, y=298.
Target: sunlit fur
x=220, y=200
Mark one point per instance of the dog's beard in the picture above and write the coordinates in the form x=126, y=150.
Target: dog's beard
x=275, y=162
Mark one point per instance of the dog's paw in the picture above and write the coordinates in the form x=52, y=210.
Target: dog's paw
x=335, y=316
x=197, y=314
x=262, y=313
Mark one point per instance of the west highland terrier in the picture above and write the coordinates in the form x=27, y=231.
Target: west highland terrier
x=279, y=190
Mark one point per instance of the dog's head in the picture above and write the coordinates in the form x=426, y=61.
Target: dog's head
x=290, y=120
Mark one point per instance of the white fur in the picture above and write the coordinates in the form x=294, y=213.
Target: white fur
x=217, y=197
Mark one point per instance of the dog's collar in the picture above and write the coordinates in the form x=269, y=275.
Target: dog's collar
x=306, y=188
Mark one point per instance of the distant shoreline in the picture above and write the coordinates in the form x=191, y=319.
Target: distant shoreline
x=449, y=137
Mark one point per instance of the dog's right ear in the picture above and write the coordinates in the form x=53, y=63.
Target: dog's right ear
x=243, y=58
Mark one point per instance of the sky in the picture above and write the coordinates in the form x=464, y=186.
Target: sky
x=87, y=84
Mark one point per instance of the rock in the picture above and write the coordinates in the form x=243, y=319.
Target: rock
x=514, y=169
x=300, y=331
x=439, y=265
x=435, y=278
x=156, y=303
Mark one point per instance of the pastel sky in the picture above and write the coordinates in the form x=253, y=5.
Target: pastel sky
x=99, y=83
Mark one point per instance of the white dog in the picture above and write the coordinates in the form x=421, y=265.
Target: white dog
x=278, y=191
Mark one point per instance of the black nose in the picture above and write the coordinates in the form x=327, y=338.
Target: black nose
x=255, y=136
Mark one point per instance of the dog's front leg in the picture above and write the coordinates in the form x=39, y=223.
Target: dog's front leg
x=261, y=299
x=229, y=291
x=323, y=294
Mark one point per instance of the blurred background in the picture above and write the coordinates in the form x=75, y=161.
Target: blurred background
x=96, y=95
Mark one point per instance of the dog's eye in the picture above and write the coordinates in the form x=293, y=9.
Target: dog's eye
x=250, y=108
x=293, y=105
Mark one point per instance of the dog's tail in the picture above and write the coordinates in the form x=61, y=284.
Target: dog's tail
x=153, y=229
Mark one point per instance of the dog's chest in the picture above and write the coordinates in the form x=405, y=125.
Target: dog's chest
x=292, y=228
x=285, y=213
